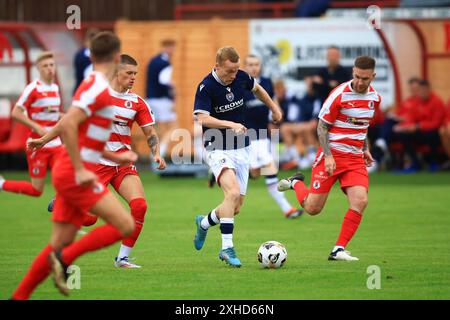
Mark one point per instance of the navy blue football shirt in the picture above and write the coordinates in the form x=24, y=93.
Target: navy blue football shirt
x=223, y=102
x=256, y=112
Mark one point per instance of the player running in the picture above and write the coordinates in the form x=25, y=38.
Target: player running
x=257, y=118
x=85, y=129
x=128, y=108
x=219, y=108
x=344, y=153
x=42, y=102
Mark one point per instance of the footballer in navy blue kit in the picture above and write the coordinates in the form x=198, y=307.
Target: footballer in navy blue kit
x=219, y=107
x=257, y=120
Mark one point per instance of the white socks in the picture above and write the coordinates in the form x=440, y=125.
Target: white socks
x=124, y=251
x=210, y=220
x=226, y=227
x=279, y=197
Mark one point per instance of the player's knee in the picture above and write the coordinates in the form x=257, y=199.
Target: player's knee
x=360, y=202
x=138, y=209
x=313, y=210
x=234, y=197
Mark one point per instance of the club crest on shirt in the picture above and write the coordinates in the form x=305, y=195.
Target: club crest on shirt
x=128, y=104
x=229, y=96
x=36, y=170
x=98, y=188
x=371, y=104
x=316, y=184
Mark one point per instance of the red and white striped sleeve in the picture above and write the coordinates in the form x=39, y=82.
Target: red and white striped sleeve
x=26, y=98
x=332, y=105
x=144, y=116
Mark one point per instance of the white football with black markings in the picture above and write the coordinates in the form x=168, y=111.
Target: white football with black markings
x=272, y=254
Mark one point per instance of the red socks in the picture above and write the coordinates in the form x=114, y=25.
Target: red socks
x=349, y=226
x=39, y=270
x=23, y=187
x=301, y=191
x=138, y=209
x=96, y=239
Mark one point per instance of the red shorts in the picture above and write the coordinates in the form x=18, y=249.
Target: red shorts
x=350, y=170
x=114, y=174
x=40, y=160
x=72, y=201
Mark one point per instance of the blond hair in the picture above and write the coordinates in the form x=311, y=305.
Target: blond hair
x=44, y=55
x=227, y=53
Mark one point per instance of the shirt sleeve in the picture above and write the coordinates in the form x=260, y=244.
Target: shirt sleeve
x=144, y=115
x=202, y=103
x=249, y=82
x=331, y=107
x=27, y=96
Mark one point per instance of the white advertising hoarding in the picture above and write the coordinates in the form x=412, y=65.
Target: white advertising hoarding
x=293, y=48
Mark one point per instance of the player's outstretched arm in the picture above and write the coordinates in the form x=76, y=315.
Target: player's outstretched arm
x=153, y=144
x=262, y=95
x=210, y=122
x=122, y=158
x=35, y=144
x=18, y=115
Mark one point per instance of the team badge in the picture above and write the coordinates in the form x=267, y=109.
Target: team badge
x=128, y=104
x=98, y=188
x=316, y=184
x=371, y=104
x=36, y=170
x=230, y=96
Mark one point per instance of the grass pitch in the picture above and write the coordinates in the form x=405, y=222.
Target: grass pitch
x=405, y=231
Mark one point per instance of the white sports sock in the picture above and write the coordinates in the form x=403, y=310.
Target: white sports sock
x=205, y=222
x=278, y=196
x=2, y=181
x=227, y=238
x=124, y=251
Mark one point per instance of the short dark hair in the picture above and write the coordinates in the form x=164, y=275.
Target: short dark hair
x=333, y=47
x=365, y=63
x=127, y=59
x=103, y=46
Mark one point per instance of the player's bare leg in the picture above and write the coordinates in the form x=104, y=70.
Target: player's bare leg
x=313, y=203
x=226, y=211
x=223, y=214
x=132, y=190
x=33, y=188
x=357, y=198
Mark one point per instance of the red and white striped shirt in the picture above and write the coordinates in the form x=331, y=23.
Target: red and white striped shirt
x=43, y=105
x=93, y=97
x=349, y=113
x=128, y=108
